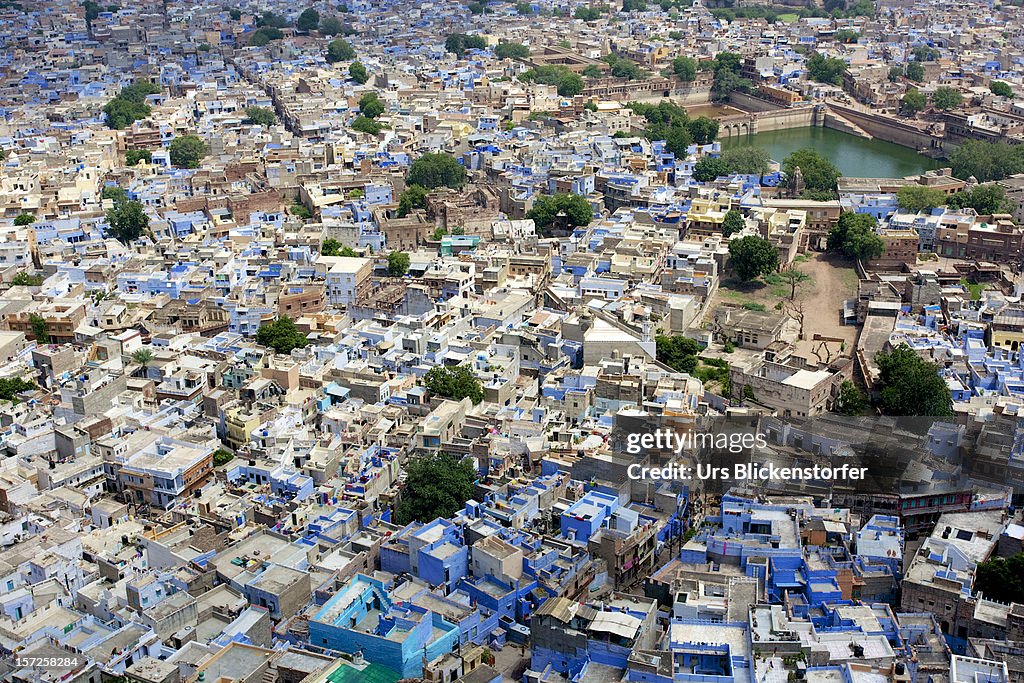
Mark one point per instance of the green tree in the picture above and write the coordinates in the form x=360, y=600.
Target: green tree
x=511, y=51
x=357, y=72
x=524, y=9
x=685, y=68
x=260, y=116
x=854, y=235
x=985, y=199
x=120, y=112
x=919, y=198
x=115, y=193
x=23, y=279
x=459, y=43
x=747, y=160
x=709, y=168
x=301, y=210
x=593, y=71
x=820, y=174
x=92, y=10
x=587, y=13
x=437, y=170
x=40, y=328
x=330, y=247
x=455, y=383
x=678, y=352
x=924, y=53
x=330, y=26
x=704, y=130
x=348, y=252
x=826, y=69
x=946, y=98
x=548, y=208
x=281, y=335
x=1001, y=578
x=1001, y=89
x=24, y=219
x=308, y=20
x=987, y=161
x=567, y=83
x=435, y=486
x=235, y=14
x=127, y=221
x=398, y=263
x=10, y=387
x=915, y=72
x=850, y=401
x=620, y=67
x=222, y=457
x=909, y=385
x=143, y=357
x=751, y=257
x=264, y=35
x=361, y=124
x=133, y=157
x=414, y=197
x=339, y=50
x=727, y=76
x=187, y=150
x=272, y=20
x=370, y=105
x=733, y=222
x=847, y=35
x=130, y=104
x=896, y=73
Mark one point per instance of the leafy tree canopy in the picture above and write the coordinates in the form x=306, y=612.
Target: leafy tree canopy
x=358, y=73
x=854, y=235
x=851, y=400
x=567, y=83
x=127, y=220
x=455, y=383
x=435, y=486
x=1001, y=578
x=1001, y=89
x=308, y=20
x=946, y=98
x=910, y=385
x=260, y=116
x=281, y=335
x=920, y=198
x=987, y=161
x=414, y=197
x=733, y=222
x=820, y=174
x=437, y=170
x=678, y=352
x=752, y=256
x=340, y=50
x=12, y=386
x=459, y=43
x=985, y=199
x=826, y=69
x=398, y=263
x=187, y=150
x=546, y=210
x=511, y=51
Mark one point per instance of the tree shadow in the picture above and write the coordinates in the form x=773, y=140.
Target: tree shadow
x=743, y=286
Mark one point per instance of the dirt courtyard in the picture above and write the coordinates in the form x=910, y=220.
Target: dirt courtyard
x=830, y=282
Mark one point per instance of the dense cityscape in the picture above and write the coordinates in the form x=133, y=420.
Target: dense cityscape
x=562, y=341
